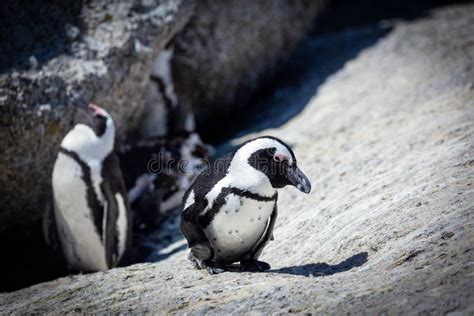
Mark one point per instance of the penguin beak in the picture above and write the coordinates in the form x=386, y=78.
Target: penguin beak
x=298, y=179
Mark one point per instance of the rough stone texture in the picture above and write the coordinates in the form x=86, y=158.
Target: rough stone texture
x=104, y=50
x=100, y=49
x=228, y=47
x=388, y=142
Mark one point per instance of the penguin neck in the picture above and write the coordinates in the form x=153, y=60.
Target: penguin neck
x=244, y=176
x=90, y=147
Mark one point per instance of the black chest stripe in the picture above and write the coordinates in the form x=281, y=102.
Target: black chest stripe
x=207, y=218
x=92, y=199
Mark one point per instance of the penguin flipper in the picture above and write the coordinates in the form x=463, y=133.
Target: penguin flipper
x=197, y=240
x=109, y=233
x=116, y=238
x=267, y=235
x=50, y=229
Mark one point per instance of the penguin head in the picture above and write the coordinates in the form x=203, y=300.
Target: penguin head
x=93, y=135
x=277, y=161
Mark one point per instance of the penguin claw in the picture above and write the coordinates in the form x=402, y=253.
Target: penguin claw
x=196, y=263
x=254, y=266
x=211, y=267
x=214, y=270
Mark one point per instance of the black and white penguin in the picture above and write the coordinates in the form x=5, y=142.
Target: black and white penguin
x=156, y=176
x=164, y=115
x=91, y=209
x=230, y=209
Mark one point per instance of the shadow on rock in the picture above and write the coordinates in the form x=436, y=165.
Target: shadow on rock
x=37, y=31
x=299, y=80
x=324, y=269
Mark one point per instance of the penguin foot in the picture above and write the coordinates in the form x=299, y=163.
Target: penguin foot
x=254, y=266
x=211, y=266
x=195, y=262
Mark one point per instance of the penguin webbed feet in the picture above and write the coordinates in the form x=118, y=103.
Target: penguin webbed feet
x=254, y=266
x=212, y=267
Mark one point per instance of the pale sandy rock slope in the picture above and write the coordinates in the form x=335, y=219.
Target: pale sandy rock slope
x=388, y=142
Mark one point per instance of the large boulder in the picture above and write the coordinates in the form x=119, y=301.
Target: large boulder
x=103, y=51
x=229, y=48
x=388, y=142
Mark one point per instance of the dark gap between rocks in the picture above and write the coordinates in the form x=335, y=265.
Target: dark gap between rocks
x=25, y=31
x=339, y=34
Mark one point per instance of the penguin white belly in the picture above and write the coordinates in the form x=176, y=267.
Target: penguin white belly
x=238, y=226
x=80, y=240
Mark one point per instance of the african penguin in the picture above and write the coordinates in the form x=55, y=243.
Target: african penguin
x=164, y=114
x=91, y=208
x=230, y=209
x=156, y=178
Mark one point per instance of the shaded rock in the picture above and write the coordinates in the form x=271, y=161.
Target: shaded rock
x=229, y=47
x=388, y=142
x=105, y=51
x=101, y=50
x=157, y=172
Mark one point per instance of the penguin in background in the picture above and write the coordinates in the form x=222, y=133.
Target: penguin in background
x=154, y=192
x=230, y=210
x=166, y=134
x=164, y=115
x=91, y=209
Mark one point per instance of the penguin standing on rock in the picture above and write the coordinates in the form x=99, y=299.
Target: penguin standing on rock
x=91, y=209
x=230, y=209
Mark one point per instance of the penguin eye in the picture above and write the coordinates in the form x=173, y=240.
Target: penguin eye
x=277, y=158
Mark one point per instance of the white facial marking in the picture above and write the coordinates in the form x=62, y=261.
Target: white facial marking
x=83, y=141
x=243, y=176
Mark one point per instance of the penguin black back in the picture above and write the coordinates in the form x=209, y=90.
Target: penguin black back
x=230, y=209
x=91, y=206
